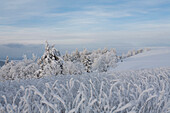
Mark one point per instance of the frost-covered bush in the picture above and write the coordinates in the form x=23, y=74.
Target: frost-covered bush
x=19, y=69
x=100, y=64
x=71, y=68
x=142, y=91
x=104, y=60
x=98, y=60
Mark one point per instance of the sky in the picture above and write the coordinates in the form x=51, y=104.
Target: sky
x=85, y=22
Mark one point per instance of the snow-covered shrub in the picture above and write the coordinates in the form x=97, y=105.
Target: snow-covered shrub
x=103, y=61
x=19, y=69
x=71, y=68
x=100, y=64
x=98, y=60
x=142, y=91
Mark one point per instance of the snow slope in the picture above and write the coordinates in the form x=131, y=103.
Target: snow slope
x=156, y=57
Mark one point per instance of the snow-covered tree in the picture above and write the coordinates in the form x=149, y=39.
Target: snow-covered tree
x=104, y=61
x=51, y=62
x=105, y=50
x=75, y=56
x=7, y=60
x=100, y=64
x=87, y=62
x=113, y=50
x=111, y=59
x=134, y=52
x=66, y=57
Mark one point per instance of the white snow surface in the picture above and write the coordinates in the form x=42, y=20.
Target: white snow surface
x=156, y=57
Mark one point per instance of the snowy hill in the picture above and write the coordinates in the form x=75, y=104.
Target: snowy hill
x=156, y=57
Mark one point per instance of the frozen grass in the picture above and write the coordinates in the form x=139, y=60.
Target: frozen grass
x=142, y=91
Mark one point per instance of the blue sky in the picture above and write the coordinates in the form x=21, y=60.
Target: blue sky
x=66, y=22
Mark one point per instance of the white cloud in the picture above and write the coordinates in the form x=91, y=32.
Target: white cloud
x=133, y=32
x=85, y=24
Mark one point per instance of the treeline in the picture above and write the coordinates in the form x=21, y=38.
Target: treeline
x=53, y=63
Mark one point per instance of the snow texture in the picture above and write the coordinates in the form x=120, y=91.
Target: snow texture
x=141, y=91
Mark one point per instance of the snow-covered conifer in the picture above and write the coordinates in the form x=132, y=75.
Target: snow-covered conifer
x=66, y=57
x=113, y=50
x=75, y=56
x=7, y=60
x=34, y=57
x=87, y=62
x=105, y=50
x=51, y=62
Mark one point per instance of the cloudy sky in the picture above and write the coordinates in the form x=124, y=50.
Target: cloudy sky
x=85, y=21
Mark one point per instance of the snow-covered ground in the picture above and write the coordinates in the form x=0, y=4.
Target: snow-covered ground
x=139, y=84
x=156, y=57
